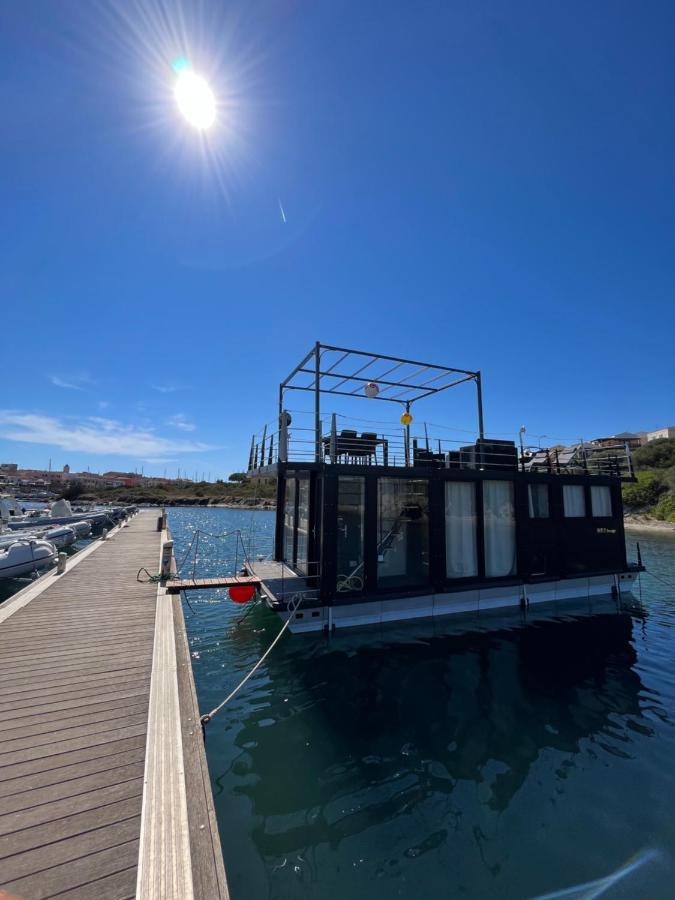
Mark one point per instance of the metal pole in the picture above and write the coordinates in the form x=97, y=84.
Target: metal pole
x=333, y=438
x=262, y=447
x=407, y=435
x=317, y=402
x=479, y=390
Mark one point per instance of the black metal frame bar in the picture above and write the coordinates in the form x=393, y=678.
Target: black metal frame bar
x=419, y=391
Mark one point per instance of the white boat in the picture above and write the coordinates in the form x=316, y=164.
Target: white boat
x=26, y=557
x=82, y=529
x=61, y=536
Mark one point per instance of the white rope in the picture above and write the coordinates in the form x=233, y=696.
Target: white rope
x=207, y=718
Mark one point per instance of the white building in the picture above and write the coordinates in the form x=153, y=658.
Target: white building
x=661, y=433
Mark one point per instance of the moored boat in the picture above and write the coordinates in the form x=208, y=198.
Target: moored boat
x=26, y=557
x=382, y=523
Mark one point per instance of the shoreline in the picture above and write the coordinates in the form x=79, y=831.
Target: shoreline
x=646, y=523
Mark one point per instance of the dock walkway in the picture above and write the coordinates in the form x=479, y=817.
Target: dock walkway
x=104, y=790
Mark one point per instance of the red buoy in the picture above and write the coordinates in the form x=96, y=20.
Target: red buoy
x=241, y=593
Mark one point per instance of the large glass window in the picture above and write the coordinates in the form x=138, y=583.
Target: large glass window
x=574, y=501
x=289, y=520
x=601, y=501
x=461, y=557
x=500, y=528
x=402, y=532
x=537, y=498
x=351, y=512
x=303, y=524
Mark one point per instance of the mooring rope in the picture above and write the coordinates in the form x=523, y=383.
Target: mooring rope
x=205, y=719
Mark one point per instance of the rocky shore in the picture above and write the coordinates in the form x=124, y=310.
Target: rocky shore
x=635, y=522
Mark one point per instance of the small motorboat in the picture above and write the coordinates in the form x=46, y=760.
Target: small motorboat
x=82, y=529
x=26, y=557
x=61, y=536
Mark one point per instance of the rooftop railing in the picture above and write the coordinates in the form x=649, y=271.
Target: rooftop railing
x=345, y=441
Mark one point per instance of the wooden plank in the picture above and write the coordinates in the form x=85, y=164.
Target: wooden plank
x=114, y=707
x=24, y=819
x=76, y=874
x=208, y=869
x=75, y=757
x=85, y=784
x=164, y=861
x=24, y=597
x=120, y=886
x=22, y=864
x=66, y=734
x=70, y=826
x=42, y=753
x=22, y=708
x=52, y=729
x=39, y=781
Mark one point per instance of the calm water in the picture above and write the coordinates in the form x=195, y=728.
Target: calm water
x=508, y=763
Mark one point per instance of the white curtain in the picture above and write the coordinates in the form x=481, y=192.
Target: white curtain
x=461, y=557
x=601, y=500
x=500, y=528
x=537, y=495
x=574, y=501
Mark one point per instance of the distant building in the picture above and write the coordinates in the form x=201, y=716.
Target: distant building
x=626, y=437
x=661, y=433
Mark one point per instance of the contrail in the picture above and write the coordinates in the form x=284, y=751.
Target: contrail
x=283, y=214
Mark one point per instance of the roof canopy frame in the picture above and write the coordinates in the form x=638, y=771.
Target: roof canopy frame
x=355, y=380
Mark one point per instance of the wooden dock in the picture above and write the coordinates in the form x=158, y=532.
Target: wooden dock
x=104, y=788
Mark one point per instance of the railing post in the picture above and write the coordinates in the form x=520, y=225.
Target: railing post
x=262, y=447
x=284, y=421
x=317, y=402
x=333, y=438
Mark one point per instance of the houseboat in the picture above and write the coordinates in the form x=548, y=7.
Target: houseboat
x=382, y=522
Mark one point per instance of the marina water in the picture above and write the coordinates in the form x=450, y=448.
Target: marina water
x=513, y=759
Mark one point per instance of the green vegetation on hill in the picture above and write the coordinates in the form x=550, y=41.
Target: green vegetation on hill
x=654, y=492
x=249, y=492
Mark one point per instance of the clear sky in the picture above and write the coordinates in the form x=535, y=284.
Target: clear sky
x=490, y=186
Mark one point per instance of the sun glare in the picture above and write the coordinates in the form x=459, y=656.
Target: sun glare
x=195, y=99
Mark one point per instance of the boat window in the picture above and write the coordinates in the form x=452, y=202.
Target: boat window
x=402, y=532
x=574, y=501
x=351, y=513
x=500, y=528
x=538, y=501
x=289, y=520
x=601, y=501
x=303, y=524
x=461, y=556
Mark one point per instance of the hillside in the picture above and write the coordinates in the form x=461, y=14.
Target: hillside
x=654, y=493
x=253, y=492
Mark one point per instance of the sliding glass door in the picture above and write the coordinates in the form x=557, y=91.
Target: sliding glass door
x=461, y=551
x=402, y=532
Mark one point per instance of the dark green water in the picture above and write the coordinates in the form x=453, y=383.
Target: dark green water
x=515, y=761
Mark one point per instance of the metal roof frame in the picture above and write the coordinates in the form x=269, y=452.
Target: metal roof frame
x=337, y=376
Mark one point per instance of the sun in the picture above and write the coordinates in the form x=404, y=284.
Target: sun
x=195, y=99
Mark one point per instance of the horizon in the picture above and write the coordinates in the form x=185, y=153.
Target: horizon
x=485, y=189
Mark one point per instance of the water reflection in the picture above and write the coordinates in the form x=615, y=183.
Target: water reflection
x=355, y=734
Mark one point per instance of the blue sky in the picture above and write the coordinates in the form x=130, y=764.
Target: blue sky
x=488, y=186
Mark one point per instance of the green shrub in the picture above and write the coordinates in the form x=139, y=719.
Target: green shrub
x=665, y=508
x=645, y=492
x=655, y=455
